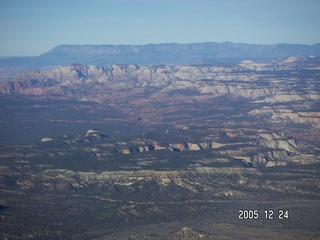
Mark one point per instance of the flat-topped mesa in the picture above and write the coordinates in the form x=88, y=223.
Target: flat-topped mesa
x=163, y=53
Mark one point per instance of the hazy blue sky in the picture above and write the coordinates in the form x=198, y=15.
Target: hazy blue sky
x=32, y=27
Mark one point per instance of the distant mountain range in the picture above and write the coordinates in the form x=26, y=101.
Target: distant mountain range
x=166, y=53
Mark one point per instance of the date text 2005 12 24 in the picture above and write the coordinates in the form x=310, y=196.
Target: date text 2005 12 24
x=268, y=214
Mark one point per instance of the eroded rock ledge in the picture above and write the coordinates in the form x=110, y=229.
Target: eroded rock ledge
x=263, y=149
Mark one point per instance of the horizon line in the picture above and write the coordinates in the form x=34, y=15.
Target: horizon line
x=176, y=43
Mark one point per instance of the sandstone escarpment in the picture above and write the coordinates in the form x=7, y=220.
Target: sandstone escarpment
x=235, y=79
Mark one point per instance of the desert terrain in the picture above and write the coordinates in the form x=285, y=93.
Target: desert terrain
x=161, y=151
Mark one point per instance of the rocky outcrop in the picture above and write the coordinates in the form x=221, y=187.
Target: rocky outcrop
x=47, y=139
x=285, y=114
x=187, y=233
x=269, y=146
